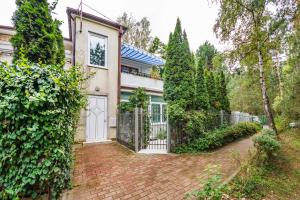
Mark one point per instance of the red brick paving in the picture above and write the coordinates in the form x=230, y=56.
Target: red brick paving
x=110, y=171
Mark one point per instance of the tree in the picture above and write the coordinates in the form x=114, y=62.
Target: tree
x=223, y=98
x=252, y=27
x=138, y=32
x=38, y=37
x=205, y=54
x=201, y=94
x=178, y=72
x=212, y=90
x=157, y=47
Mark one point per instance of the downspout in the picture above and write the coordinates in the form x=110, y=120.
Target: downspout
x=119, y=64
x=73, y=41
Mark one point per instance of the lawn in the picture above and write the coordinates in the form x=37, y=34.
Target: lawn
x=280, y=179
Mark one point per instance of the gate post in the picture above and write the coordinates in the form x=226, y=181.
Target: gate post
x=168, y=135
x=222, y=116
x=142, y=136
x=136, y=129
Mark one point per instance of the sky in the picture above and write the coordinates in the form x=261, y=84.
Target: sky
x=197, y=16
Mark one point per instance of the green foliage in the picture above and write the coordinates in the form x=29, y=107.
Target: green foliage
x=205, y=54
x=220, y=137
x=162, y=135
x=250, y=185
x=266, y=144
x=138, y=32
x=38, y=37
x=212, y=90
x=201, y=94
x=178, y=70
x=196, y=124
x=157, y=47
x=40, y=107
x=223, y=98
x=244, y=93
x=211, y=187
x=176, y=113
x=139, y=99
x=155, y=73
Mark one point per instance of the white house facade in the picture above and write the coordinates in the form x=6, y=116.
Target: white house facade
x=118, y=68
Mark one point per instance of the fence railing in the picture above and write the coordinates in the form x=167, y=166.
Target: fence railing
x=139, y=130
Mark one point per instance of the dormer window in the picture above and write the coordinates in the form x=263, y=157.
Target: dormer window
x=97, y=50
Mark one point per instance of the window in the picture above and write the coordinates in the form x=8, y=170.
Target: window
x=97, y=50
x=155, y=112
x=158, y=112
x=164, y=112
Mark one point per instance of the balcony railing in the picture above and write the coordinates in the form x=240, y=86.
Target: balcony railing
x=142, y=75
x=136, y=80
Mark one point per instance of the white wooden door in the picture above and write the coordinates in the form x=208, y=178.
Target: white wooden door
x=96, y=128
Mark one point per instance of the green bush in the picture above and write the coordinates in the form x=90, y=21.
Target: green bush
x=39, y=111
x=220, y=137
x=266, y=144
x=195, y=127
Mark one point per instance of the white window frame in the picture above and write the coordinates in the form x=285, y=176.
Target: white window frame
x=106, y=49
x=161, y=113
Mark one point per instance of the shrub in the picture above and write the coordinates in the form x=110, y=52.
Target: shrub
x=176, y=113
x=39, y=111
x=266, y=144
x=220, y=137
x=211, y=187
x=195, y=127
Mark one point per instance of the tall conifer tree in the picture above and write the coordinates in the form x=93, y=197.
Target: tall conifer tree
x=211, y=88
x=224, y=101
x=201, y=94
x=178, y=72
x=38, y=37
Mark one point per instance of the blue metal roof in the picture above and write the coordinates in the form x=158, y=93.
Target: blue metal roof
x=130, y=52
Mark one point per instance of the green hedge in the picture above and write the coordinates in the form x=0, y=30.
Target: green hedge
x=39, y=111
x=220, y=137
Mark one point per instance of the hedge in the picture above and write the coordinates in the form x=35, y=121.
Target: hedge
x=39, y=111
x=220, y=137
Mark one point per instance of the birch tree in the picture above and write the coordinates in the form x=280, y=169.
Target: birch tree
x=251, y=26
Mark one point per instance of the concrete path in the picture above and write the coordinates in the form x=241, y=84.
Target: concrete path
x=110, y=171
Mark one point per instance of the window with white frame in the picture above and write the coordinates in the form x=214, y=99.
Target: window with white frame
x=158, y=112
x=97, y=50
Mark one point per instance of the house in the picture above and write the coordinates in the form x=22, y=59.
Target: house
x=118, y=68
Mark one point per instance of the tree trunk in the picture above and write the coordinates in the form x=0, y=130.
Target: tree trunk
x=266, y=102
x=278, y=73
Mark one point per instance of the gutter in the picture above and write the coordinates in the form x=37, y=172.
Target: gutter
x=119, y=64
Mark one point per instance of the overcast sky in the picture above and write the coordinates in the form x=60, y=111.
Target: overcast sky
x=197, y=16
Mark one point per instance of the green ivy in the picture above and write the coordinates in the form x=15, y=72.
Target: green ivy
x=39, y=111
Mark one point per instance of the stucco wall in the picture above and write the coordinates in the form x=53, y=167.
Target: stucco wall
x=104, y=80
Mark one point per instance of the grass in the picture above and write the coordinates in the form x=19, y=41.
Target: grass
x=280, y=179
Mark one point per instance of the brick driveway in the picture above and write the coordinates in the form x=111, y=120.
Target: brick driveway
x=110, y=171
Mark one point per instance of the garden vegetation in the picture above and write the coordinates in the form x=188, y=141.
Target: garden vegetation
x=40, y=106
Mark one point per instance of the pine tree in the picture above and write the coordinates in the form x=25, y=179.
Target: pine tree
x=201, y=94
x=224, y=101
x=38, y=37
x=211, y=88
x=178, y=72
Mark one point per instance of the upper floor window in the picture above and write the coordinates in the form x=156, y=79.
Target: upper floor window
x=97, y=50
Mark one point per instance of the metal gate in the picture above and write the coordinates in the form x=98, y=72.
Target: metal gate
x=143, y=132
x=154, y=133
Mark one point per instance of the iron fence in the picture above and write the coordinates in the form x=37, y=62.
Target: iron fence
x=141, y=130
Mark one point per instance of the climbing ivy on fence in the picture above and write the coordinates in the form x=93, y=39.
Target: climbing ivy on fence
x=39, y=111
